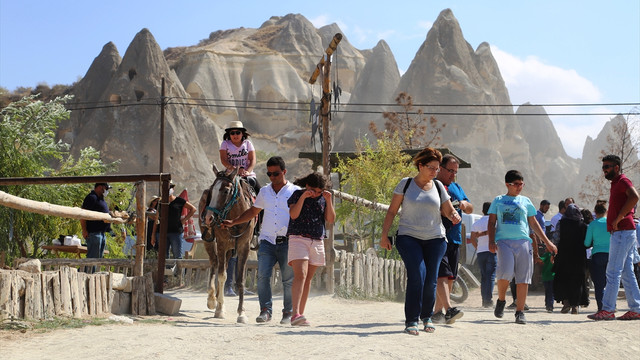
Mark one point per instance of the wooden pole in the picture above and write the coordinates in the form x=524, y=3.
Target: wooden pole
x=162, y=246
x=141, y=227
x=325, y=66
x=162, y=106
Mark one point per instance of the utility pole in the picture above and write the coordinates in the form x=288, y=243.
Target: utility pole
x=325, y=66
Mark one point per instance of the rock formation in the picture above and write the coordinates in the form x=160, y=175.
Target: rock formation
x=260, y=76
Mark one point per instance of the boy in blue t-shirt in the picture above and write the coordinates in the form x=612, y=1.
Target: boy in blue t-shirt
x=510, y=217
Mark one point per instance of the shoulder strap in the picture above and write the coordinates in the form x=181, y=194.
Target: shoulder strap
x=438, y=184
x=406, y=186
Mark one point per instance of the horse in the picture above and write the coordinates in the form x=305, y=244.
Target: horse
x=227, y=198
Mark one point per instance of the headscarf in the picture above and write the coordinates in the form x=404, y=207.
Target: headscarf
x=572, y=213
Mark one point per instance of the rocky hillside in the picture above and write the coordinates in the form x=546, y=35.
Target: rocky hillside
x=260, y=76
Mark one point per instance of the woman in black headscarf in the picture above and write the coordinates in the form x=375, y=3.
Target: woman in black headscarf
x=570, y=266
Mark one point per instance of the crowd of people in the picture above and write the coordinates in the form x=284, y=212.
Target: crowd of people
x=578, y=245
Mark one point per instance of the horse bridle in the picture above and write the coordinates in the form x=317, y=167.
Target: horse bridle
x=220, y=215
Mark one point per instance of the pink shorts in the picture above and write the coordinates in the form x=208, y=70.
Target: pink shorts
x=302, y=248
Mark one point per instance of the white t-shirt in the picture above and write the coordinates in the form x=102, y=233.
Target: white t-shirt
x=238, y=156
x=420, y=215
x=276, y=210
x=480, y=226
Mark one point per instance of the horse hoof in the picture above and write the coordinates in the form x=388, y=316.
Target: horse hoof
x=219, y=315
x=211, y=304
x=242, y=319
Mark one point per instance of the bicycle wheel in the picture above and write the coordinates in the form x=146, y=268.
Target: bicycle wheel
x=459, y=291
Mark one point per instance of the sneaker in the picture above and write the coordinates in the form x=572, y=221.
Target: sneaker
x=574, y=310
x=549, y=309
x=603, y=315
x=452, y=315
x=499, y=310
x=520, y=319
x=438, y=317
x=265, y=316
x=487, y=304
x=630, y=315
x=513, y=305
x=299, y=320
x=565, y=309
x=286, y=318
x=526, y=307
x=228, y=292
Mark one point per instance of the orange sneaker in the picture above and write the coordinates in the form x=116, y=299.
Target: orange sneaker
x=630, y=315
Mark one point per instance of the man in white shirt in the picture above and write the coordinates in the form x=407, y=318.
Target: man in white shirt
x=274, y=244
x=554, y=220
x=486, y=258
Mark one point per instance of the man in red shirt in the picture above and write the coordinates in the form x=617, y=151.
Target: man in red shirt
x=622, y=199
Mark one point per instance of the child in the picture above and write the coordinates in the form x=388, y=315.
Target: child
x=510, y=217
x=310, y=209
x=547, y=280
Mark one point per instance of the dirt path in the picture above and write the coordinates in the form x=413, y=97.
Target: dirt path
x=341, y=329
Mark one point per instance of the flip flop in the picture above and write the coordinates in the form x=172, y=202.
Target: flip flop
x=412, y=330
x=428, y=326
x=299, y=320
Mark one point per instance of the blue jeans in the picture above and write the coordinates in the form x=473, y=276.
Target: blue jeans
x=96, y=242
x=422, y=260
x=548, y=294
x=598, y=271
x=268, y=256
x=487, y=263
x=174, y=240
x=620, y=266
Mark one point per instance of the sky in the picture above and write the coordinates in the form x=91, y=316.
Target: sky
x=548, y=52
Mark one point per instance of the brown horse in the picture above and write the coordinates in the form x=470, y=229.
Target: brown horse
x=227, y=198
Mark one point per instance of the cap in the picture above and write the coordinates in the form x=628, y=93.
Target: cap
x=104, y=184
x=235, y=125
x=171, y=184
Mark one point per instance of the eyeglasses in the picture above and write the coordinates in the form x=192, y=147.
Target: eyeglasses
x=607, y=166
x=436, y=169
x=451, y=171
x=235, y=132
x=274, y=174
x=516, y=184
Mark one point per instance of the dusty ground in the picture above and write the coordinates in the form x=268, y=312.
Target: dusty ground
x=341, y=329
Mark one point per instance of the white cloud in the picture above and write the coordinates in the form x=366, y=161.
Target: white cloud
x=320, y=21
x=531, y=80
x=425, y=25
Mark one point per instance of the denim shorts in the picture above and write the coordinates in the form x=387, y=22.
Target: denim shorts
x=515, y=259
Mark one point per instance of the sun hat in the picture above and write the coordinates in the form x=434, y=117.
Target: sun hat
x=235, y=125
x=153, y=198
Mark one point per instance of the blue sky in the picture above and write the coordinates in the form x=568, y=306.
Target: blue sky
x=548, y=51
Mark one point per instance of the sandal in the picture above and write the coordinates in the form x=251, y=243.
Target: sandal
x=299, y=320
x=428, y=326
x=412, y=329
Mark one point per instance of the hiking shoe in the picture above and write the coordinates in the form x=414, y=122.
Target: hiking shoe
x=630, y=315
x=286, y=318
x=438, y=317
x=499, y=310
x=520, y=319
x=452, y=315
x=603, y=315
x=513, y=305
x=265, y=316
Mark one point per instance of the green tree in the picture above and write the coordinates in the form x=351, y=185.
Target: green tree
x=372, y=175
x=27, y=148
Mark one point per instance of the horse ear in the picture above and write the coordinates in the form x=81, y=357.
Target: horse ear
x=233, y=173
x=215, y=168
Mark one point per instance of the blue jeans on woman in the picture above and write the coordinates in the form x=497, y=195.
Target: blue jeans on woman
x=620, y=266
x=598, y=271
x=488, y=264
x=268, y=255
x=174, y=240
x=422, y=260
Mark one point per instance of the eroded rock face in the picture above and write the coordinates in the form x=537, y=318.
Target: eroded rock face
x=261, y=77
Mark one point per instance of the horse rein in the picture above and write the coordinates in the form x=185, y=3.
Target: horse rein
x=220, y=215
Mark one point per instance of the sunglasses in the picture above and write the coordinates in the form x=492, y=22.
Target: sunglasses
x=516, y=184
x=235, y=132
x=607, y=166
x=274, y=174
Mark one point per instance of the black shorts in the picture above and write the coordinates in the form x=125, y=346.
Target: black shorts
x=449, y=263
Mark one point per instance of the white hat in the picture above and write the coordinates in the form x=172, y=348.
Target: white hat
x=235, y=125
